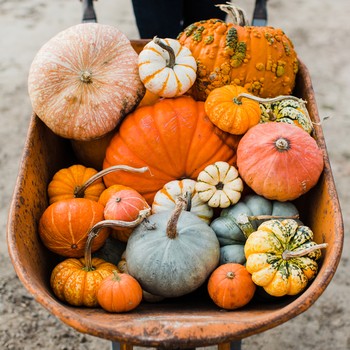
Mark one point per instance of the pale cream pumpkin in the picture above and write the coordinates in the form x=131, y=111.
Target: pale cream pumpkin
x=84, y=80
x=219, y=184
x=167, y=68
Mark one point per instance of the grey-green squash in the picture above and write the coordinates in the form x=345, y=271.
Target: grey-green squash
x=173, y=253
x=237, y=222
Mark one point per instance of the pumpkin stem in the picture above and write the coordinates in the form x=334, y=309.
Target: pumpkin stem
x=288, y=254
x=243, y=221
x=169, y=49
x=79, y=191
x=109, y=223
x=282, y=144
x=244, y=224
x=116, y=276
x=238, y=16
x=180, y=205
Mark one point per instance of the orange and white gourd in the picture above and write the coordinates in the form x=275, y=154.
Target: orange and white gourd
x=166, y=197
x=167, y=68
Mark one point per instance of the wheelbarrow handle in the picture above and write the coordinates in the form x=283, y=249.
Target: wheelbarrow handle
x=260, y=13
x=89, y=14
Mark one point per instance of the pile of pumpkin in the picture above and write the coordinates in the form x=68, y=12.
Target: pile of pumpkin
x=202, y=149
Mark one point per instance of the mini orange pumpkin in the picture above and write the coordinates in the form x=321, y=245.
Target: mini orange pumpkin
x=68, y=182
x=231, y=113
x=119, y=292
x=279, y=161
x=230, y=286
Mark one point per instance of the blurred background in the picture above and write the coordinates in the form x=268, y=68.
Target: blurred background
x=320, y=33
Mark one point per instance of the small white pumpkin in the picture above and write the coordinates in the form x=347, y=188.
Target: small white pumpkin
x=166, y=197
x=167, y=68
x=219, y=184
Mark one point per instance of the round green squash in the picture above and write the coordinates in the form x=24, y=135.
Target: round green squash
x=237, y=222
x=173, y=253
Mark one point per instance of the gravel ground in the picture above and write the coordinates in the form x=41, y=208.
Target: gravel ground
x=318, y=29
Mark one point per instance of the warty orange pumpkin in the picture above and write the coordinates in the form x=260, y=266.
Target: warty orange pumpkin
x=262, y=59
x=84, y=80
x=174, y=138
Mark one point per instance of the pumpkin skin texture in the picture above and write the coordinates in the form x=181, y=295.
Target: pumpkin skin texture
x=84, y=80
x=279, y=161
x=166, y=197
x=67, y=181
x=167, y=68
x=261, y=59
x=72, y=283
x=230, y=286
x=119, y=292
x=175, y=262
x=174, y=138
x=230, y=113
x=237, y=222
x=64, y=225
x=277, y=273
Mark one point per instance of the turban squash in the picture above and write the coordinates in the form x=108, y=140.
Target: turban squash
x=174, y=138
x=262, y=59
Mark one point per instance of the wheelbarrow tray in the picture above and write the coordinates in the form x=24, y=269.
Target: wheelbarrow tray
x=191, y=321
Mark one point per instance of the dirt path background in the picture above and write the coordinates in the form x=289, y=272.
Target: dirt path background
x=320, y=32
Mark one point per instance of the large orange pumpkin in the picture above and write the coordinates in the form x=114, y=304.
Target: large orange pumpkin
x=279, y=161
x=262, y=59
x=84, y=80
x=174, y=138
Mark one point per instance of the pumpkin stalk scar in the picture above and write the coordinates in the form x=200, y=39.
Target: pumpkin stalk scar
x=86, y=77
x=282, y=144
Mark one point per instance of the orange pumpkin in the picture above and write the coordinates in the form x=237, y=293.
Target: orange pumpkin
x=262, y=59
x=119, y=292
x=64, y=225
x=76, y=281
x=67, y=183
x=279, y=161
x=84, y=81
x=230, y=286
x=231, y=113
x=75, y=284
x=123, y=204
x=174, y=138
